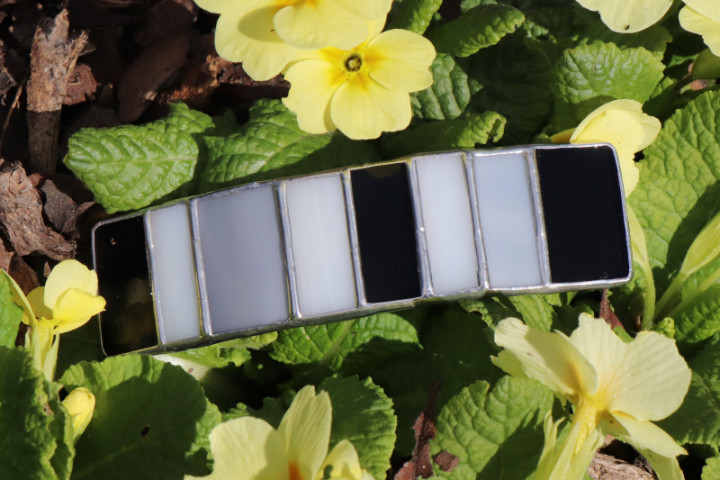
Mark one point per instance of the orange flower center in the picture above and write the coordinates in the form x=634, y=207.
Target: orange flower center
x=294, y=471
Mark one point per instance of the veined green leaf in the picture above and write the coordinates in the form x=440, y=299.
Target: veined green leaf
x=362, y=414
x=235, y=352
x=271, y=145
x=151, y=420
x=449, y=94
x=10, y=315
x=466, y=132
x=496, y=433
x=129, y=167
x=592, y=75
x=413, y=15
x=678, y=192
x=477, y=28
x=36, y=442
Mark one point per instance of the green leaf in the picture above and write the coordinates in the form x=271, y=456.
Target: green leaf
x=475, y=29
x=678, y=192
x=33, y=425
x=467, y=132
x=363, y=414
x=592, y=75
x=10, y=315
x=698, y=318
x=535, y=310
x=449, y=94
x=222, y=354
x=711, y=470
x=374, y=338
x=271, y=145
x=151, y=420
x=518, y=90
x=128, y=167
x=496, y=433
x=413, y=15
x=698, y=418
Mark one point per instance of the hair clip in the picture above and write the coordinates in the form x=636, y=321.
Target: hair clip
x=352, y=242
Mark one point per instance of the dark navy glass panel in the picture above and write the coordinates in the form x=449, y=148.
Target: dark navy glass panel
x=128, y=322
x=385, y=223
x=582, y=204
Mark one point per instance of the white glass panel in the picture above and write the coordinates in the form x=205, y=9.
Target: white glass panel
x=321, y=245
x=243, y=259
x=173, y=273
x=507, y=219
x=447, y=219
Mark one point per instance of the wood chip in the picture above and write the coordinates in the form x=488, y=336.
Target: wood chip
x=606, y=467
x=81, y=87
x=52, y=61
x=21, y=216
x=140, y=84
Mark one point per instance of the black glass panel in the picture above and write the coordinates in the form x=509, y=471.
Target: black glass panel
x=582, y=203
x=128, y=322
x=386, y=233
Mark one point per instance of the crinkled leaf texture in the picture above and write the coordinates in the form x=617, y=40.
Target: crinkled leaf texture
x=535, y=310
x=10, y=314
x=375, y=338
x=271, y=145
x=151, y=420
x=496, y=433
x=698, y=418
x=591, y=75
x=129, y=167
x=516, y=89
x=235, y=352
x=477, y=28
x=449, y=94
x=466, y=132
x=36, y=431
x=413, y=15
x=363, y=414
x=677, y=195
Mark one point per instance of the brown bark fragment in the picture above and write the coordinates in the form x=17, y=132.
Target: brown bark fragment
x=81, y=87
x=52, y=60
x=22, y=218
x=23, y=274
x=142, y=80
x=446, y=461
x=607, y=467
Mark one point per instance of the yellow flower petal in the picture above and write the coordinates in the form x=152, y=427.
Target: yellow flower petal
x=249, y=448
x=305, y=431
x=362, y=109
x=314, y=82
x=706, y=8
x=600, y=346
x=400, y=60
x=628, y=17
x=693, y=21
x=318, y=24
x=19, y=298
x=80, y=404
x=74, y=308
x=369, y=10
x=222, y=6
x=36, y=298
x=622, y=124
x=69, y=274
x=344, y=462
x=249, y=36
x=651, y=381
x=666, y=468
x=644, y=435
x=547, y=357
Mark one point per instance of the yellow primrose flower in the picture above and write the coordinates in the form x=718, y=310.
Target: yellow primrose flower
x=267, y=34
x=628, y=16
x=623, y=124
x=67, y=301
x=80, y=404
x=297, y=450
x=615, y=388
x=363, y=91
x=703, y=17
